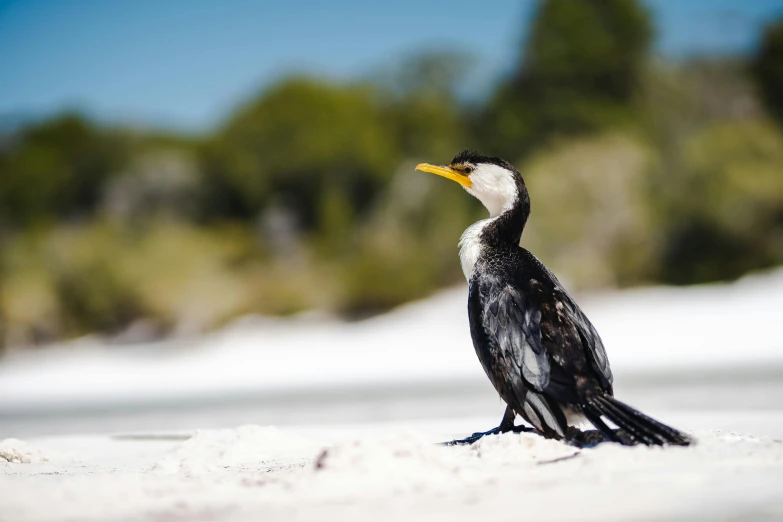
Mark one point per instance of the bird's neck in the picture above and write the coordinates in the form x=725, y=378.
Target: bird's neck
x=502, y=231
x=505, y=228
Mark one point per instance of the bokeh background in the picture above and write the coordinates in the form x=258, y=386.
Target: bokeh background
x=210, y=218
x=168, y=167
x=209, y=214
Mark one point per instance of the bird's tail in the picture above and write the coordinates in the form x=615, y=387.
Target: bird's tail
x=640, y=428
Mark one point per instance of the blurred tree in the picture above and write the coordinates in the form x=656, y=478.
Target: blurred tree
x=437, y=72
x=768, y=69
x=708, y=129
x=679, y=100
x=57, y=169
x=579, y=72
x=422, y=106
x=726, y=218
x=159, y=180
x=590, y=219
x=3, y=320
x=295, y=141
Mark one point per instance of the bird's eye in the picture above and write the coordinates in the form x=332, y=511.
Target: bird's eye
x=468, y=170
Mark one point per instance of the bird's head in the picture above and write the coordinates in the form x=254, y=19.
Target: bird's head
x=493, y=181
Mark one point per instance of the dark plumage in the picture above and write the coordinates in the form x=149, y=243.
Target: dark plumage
x=539, y=350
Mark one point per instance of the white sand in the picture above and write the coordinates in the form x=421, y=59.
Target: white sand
x=724, y=342
x=261, y=473
x=15, y=451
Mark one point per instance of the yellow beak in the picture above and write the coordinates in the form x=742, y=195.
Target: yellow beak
x=446, y=172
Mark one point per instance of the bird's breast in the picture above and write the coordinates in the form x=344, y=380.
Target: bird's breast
x=470, y=246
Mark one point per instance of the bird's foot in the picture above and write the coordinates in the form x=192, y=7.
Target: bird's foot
x=494, y=431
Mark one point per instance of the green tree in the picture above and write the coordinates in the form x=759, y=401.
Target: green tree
x=579, y=72
x=293, y=142
x=57, y=169
x=422, y=107
x=768, y=69
x=726, y=218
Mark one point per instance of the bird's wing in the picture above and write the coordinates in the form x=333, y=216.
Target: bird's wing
x=591, y=341
x=540, y=333
x=505, y=325
x=563, y=318
x=506, y=328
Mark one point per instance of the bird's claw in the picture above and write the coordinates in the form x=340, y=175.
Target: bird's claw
x=479, y=434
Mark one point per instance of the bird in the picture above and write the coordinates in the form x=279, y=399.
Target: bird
x=541, y=353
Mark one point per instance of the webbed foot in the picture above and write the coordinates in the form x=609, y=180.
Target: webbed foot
x=494, y=431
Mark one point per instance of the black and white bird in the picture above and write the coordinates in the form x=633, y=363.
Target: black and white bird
x=539, y=350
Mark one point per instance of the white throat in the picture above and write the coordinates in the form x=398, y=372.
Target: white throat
x=470, y=246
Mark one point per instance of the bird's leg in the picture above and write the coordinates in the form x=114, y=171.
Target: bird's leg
x=506, y=425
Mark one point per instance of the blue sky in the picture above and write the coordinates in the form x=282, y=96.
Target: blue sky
x=186, y=64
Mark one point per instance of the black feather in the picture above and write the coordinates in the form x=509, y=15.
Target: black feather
x=650, y=430
x=473, y=157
